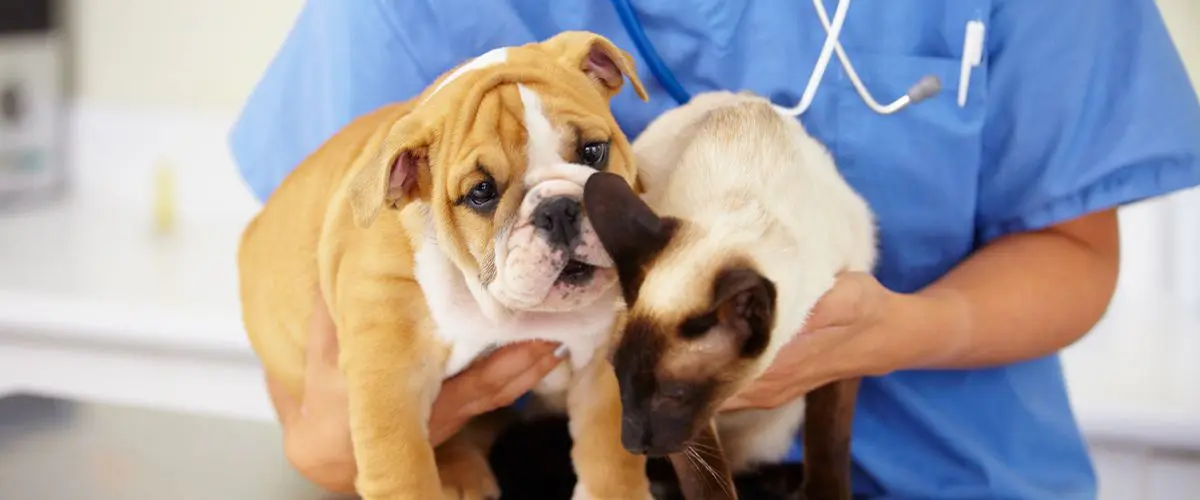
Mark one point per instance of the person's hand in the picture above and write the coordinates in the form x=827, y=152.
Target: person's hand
x=492, y=382
x=839, y=340
x=316, y=428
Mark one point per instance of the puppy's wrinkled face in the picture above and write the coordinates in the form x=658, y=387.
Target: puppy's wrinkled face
x=500, y=149
x=699, y=319
x=518, y=206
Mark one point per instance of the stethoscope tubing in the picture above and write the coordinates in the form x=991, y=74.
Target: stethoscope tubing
x=924, y=88
x=665, y=76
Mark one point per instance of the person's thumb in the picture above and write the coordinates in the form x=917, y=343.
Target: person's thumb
x=838, y=307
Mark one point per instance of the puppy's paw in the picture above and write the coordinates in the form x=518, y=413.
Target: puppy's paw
x=582, y=493
x=465, y=475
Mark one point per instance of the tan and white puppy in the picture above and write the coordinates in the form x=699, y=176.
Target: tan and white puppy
x=746, y=223
x=439, y=228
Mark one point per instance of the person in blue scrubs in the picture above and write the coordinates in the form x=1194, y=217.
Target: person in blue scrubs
x=996, y=217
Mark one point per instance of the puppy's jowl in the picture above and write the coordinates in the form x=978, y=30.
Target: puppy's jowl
x=440, y=227
x=745, y=224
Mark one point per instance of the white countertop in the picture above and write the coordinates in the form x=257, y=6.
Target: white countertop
x=79, y=274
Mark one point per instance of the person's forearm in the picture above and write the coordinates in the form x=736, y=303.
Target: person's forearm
x=1021, y=297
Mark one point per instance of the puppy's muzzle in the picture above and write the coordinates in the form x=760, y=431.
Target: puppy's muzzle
x=559, y=220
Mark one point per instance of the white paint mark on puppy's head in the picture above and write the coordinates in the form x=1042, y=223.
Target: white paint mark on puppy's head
x=544, y=138
x=489, y=58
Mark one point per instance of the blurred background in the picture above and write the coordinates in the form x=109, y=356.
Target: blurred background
x=120, y=209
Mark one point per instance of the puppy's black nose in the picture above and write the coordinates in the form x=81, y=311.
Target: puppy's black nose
x=560, y=219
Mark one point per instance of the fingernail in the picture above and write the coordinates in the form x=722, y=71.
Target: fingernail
x=561, y=351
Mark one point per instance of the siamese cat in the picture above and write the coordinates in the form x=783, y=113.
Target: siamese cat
x=744, y=225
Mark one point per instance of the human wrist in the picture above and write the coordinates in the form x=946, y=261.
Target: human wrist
x=940, y=327
x=922, y=330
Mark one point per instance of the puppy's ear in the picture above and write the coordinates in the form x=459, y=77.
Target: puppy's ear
x=602, y=61
x=630, y=231
x=389, y=179
x=744, y=301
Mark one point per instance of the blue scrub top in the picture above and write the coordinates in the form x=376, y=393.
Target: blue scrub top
x=1078, y=106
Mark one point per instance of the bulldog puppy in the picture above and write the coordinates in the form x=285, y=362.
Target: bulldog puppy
x=439, y=228
x=745, y=224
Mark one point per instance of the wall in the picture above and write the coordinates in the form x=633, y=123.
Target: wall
x=174, y=54
x=1183, y=19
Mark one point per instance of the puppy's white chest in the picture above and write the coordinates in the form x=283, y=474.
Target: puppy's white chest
x=470, y=334
x=469, y=331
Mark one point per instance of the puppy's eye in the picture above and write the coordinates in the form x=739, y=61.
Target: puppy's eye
x=483, y=195
x=594, y=154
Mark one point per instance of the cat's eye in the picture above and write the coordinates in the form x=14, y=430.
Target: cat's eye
x=698, y=326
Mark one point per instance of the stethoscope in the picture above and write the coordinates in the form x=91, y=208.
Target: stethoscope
x=927, y=86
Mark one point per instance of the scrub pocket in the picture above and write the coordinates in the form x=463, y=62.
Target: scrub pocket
x=918, y=167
